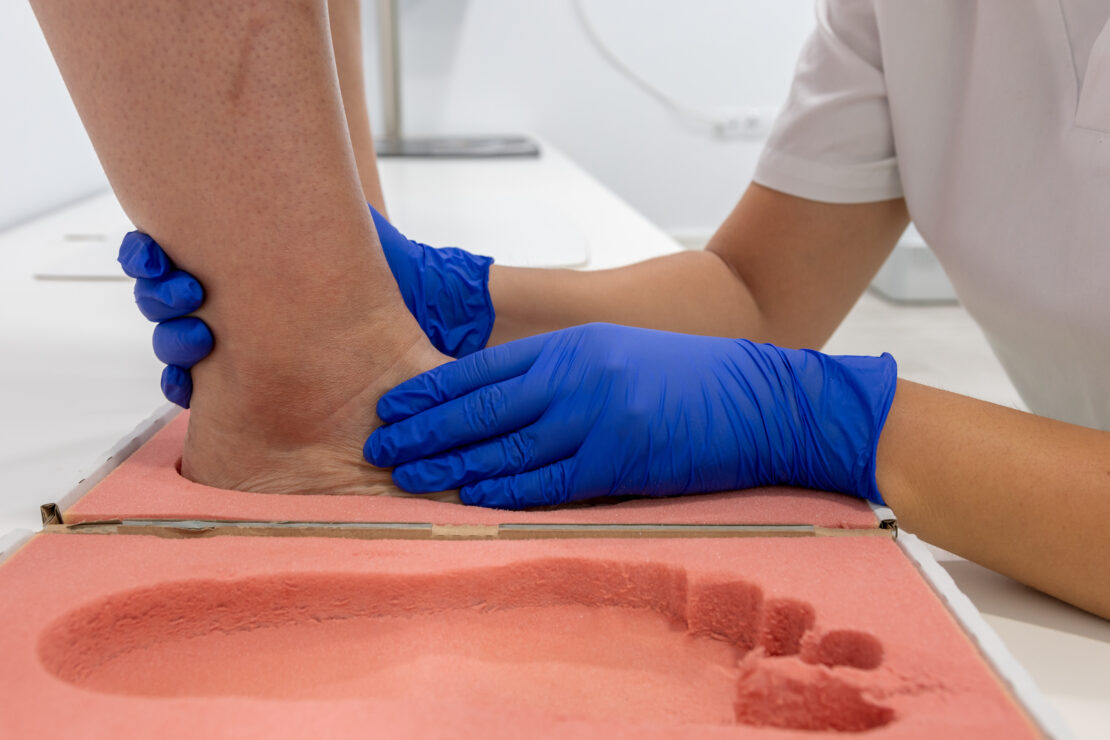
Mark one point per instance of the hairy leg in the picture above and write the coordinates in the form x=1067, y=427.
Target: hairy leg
x=222, y=131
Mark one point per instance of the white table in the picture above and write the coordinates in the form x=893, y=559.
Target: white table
x=77, y=373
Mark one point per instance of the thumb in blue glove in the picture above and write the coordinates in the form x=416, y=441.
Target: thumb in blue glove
x=602, y=410
x=445, y=289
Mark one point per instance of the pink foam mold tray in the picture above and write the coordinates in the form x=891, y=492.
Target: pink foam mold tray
x=145, y=484
x=766, y=637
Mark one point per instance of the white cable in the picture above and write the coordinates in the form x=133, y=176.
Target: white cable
x=729, y=125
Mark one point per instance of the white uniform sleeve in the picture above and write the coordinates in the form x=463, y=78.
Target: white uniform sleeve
x=833, y=141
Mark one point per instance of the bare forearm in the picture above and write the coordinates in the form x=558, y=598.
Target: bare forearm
x=780, y=269
x=1018, y=493
x=690, y=292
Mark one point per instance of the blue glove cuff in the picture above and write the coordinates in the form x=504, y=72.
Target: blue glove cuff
x=875, y=379
x=446, y=289
x=840, y=416
x=458, y=311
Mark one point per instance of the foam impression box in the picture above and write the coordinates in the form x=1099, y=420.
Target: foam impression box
x=769, y=613
x=113, y=635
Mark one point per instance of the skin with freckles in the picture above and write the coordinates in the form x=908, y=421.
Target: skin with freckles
x=222, y=131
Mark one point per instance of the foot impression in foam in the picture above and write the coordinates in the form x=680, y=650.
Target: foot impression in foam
x=575, y=638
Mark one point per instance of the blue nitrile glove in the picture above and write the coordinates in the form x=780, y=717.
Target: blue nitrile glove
x=166, y=295
x=602, y=410
x=446, y=289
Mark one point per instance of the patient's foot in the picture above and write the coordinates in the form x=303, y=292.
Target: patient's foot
x=301, y=431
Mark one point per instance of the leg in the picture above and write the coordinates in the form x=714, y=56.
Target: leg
x=221, y=129
x=346, y=39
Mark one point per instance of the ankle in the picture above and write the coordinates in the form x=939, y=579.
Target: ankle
x=300, y=380
x=279, y=428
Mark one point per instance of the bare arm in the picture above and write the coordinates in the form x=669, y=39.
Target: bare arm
x=780, y=269
x=1021, y=494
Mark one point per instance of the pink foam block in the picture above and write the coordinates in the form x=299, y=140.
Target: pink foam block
x=117, y=636
x=148, y=486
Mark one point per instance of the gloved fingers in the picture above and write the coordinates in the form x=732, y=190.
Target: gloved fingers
x=177, y=385
x=533, y=446
x=141, y=257
x=183, y=342
x=459, y=378
x=176, y=295
x=546, y=486
x=490, y=411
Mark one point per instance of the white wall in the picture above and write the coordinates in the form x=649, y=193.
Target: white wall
x=497, y=66
x=507, y=65
x=46, y=159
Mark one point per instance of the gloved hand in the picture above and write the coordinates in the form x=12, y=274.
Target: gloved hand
x=601, y=410
x=166, y=295
x=446, y=290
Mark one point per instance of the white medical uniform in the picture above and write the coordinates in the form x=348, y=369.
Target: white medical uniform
x=992, y=119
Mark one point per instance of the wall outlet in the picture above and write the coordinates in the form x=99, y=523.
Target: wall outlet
x=744, y=123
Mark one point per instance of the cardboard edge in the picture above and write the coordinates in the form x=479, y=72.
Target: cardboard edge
x=108, y=461
x=1009, y=671
x=190, y=529
x=12, y=541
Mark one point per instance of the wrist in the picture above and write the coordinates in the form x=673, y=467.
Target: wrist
x=457, y=309
x=446, y=289
x=838, y=405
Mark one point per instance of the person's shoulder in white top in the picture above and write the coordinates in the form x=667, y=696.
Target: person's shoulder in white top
x=992, y=119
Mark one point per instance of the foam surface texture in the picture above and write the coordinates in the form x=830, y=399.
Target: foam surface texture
x=115, y=635
x=148, y=486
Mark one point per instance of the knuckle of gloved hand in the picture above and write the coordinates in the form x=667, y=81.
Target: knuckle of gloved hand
x=593, y=329
x=517, y=452
x=480, y=366
x=557, y=485
x=133, y=255
x=185, y=291
x=146, y=298
x=606, y=335
x=504, y=496
x=483, y=407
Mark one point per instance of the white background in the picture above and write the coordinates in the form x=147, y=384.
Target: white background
x=473, y=66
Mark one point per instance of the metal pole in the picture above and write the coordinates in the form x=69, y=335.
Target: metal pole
x=390, y=68
x=392, y=142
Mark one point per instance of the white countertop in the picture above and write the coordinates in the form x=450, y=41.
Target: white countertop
x=77, y=373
